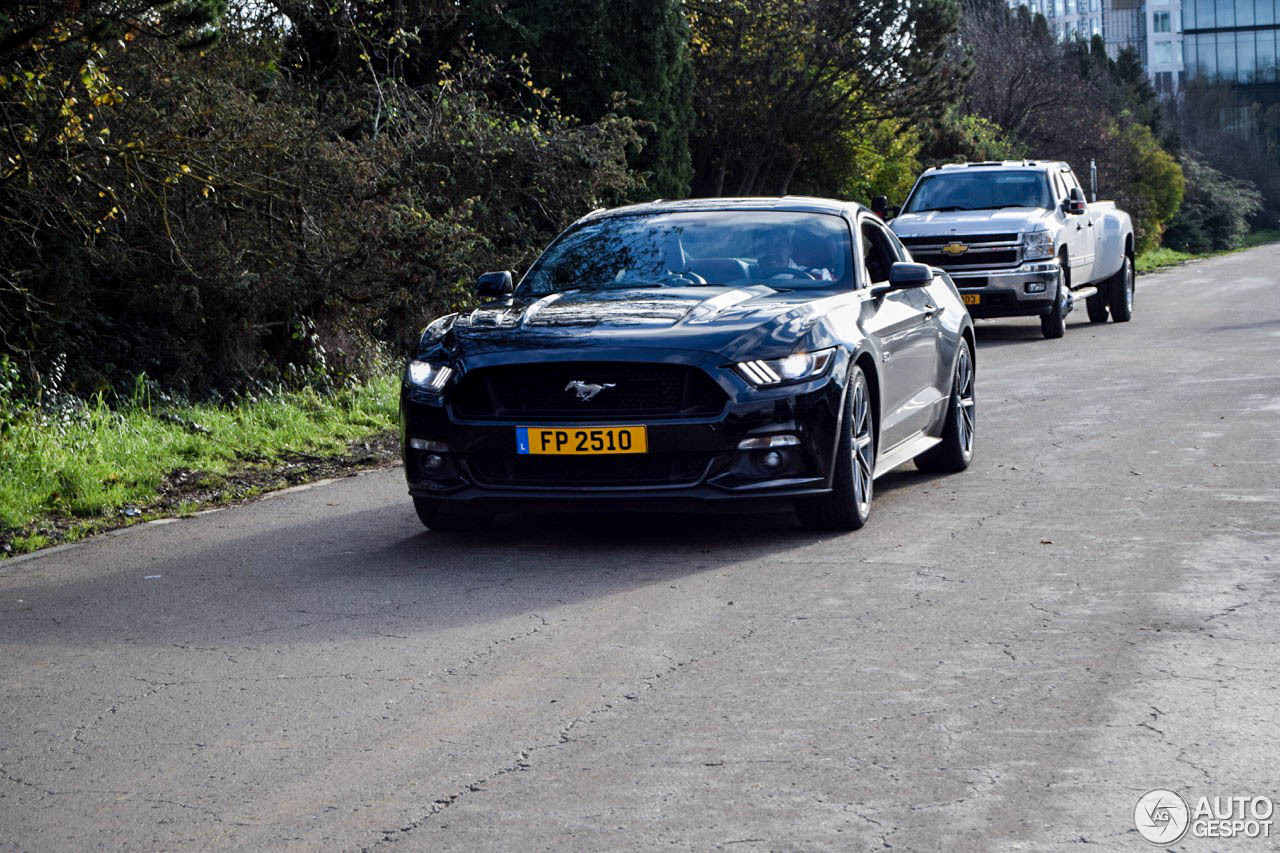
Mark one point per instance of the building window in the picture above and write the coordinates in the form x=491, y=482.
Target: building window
x=1244, y=13
x=1070, y=7
x=1160, y=22
x=1163, y=53
x=1164, y=81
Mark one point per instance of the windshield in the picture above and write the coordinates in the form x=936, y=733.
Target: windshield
x=783, y=249
x=980, y=190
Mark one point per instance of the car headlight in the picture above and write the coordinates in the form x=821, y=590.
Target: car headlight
x=424, y=374
x=1037, y=244
x=793, y=368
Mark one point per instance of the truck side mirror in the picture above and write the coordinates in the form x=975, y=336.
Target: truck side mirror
x=494, y=284
x=880, y=206
x=1075, y=203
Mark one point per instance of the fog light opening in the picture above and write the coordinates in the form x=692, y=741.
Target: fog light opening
x=432, y=462
x=1036, y=286
x=768, y=441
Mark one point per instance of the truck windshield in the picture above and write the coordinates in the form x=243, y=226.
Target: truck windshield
x=784, y=249
x=980, y=190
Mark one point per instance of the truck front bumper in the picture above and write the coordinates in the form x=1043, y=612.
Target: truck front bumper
x=1025, y=291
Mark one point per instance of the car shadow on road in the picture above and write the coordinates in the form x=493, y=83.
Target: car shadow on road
x=1002, y=333
x=369, y=572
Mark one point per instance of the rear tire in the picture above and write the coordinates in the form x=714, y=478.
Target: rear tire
x=848, y=505
x=956, y=450
x=1120, y=289
x=1096, y=306
x=438, y=516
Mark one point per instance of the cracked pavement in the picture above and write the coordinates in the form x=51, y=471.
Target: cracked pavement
x=1003, y=659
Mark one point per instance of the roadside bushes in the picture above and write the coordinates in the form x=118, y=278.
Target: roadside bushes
x=220, y=223
x=1215, y=212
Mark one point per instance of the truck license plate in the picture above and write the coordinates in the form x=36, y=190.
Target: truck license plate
x=581, y=441
x=971, y=298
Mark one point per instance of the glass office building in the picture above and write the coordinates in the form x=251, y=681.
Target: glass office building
x=1231, y=41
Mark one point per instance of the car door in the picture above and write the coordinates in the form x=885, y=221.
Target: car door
x=904, y=324
x=1086, y=231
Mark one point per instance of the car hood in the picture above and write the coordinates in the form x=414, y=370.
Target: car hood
x=935, y=223
x=714, y=319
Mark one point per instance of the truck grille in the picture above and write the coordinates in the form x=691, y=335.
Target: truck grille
x=970, y=239
x=984, y=250
x=974, y=258
x=641, y=469
x=542, y=391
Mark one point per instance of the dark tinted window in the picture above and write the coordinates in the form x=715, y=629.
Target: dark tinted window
x=779, y=248
x=979, y=190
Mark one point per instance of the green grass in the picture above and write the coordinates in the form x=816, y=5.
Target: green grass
x=1160, y=258
x=1261, y=238
x=94, y=460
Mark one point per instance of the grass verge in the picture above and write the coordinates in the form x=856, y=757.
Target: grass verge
x=79, y=468
x=1162, y=257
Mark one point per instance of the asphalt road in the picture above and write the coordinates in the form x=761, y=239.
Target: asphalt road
x=1003, y=659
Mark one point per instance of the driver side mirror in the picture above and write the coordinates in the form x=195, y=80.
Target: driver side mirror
x=880, y=206
x=1075, y=203
x=494, y=284
x=903, y=275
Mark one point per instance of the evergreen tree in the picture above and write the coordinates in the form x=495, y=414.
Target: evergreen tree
x=587, y=51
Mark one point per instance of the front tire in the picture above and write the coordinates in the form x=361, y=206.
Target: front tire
x=1054, y=324
x=1120, y=289
x=956, y=450
x=439, y=516
x=848, y=505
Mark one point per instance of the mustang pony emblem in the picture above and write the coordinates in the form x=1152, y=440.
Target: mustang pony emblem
x=586, y=390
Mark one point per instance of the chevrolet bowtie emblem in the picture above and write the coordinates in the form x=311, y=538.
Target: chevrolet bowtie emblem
x=955, y=248
x=586, y=390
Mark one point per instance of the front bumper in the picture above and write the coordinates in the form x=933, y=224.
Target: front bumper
x=689, y=461
x=1025, y=291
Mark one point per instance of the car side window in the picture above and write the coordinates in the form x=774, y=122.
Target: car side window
x=878, y=252
x=1059, y=194
x=1069, y=180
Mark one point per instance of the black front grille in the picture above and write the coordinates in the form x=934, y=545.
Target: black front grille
x=638, y=469
x=548, y=391
x=969, y=259
x=970, y=239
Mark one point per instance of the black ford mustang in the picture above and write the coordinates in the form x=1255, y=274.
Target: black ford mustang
x=679, y=353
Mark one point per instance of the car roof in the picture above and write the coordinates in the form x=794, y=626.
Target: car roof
x=1033, y=165
x=794, y=203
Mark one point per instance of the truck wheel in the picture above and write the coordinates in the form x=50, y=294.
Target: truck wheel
x=1096, y=306
x=1120, y=292
x=848, y=505
x=435, y=515
x=956, y=450
x=1054, y=324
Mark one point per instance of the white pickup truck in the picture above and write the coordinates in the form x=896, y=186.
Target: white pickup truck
x=1019, y=239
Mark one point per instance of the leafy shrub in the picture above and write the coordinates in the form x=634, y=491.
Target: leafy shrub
x=1215, y=211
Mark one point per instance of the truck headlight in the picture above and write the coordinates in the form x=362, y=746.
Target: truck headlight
x=1036, y=245
x=423, y=374
x=793, y=368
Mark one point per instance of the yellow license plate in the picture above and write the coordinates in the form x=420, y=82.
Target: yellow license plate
x=581, y=441
x=971, y=298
